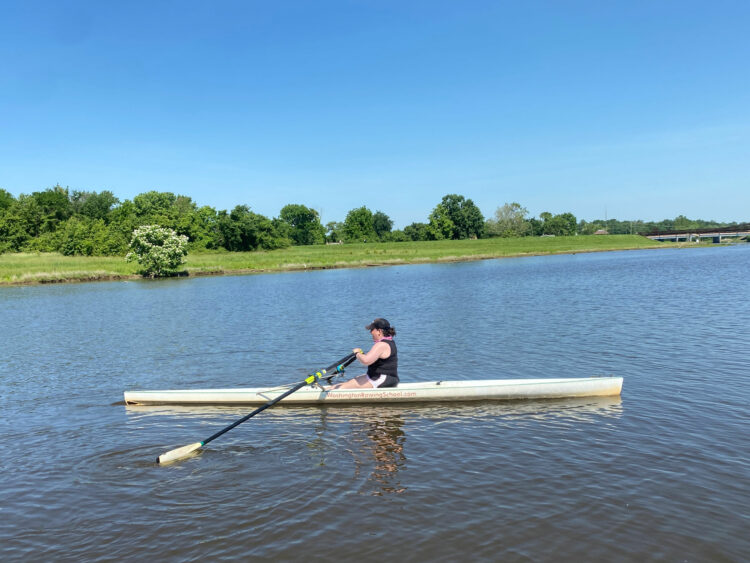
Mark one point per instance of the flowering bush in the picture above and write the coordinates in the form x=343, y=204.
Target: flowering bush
x=159, y=250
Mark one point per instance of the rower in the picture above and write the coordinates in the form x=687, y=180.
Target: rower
x=381, y=360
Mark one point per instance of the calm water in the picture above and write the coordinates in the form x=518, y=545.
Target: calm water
x=661, y=473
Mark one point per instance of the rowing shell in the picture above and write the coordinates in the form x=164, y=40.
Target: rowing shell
x=432, y=391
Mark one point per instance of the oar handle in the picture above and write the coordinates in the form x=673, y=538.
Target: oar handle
x=342, y=363
x=339, y=367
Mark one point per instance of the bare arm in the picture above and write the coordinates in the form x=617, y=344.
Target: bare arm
x=378, y=351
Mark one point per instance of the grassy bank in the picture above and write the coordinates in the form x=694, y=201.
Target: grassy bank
x=28, y=268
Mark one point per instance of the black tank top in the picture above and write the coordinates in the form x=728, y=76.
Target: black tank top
x=387, y=366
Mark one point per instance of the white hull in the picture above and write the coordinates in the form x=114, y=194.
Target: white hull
x=432, y=391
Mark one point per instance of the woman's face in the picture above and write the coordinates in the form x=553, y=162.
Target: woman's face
x=376, y=334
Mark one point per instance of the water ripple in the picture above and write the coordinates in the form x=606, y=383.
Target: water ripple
x=660, y=473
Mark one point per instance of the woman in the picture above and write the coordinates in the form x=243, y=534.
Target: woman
x=381, y=360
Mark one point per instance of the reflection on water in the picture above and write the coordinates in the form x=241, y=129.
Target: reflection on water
x=375, y=436
x=382, y=440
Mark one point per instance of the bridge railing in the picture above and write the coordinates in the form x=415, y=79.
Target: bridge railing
x=742, y=227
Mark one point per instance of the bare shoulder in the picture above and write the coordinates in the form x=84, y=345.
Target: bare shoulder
x=383, y=349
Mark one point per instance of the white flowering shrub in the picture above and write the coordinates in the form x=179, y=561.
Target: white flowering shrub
x=159, y=250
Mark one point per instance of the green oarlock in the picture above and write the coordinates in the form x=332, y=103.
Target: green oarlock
x=310, y=379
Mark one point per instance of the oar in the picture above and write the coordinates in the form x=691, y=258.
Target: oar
x=178, y=453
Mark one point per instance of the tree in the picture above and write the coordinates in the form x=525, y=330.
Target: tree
x=159, y=250
x=358, y=226
x=87, y=237
x=568, y=223
x=382, y=224
x=473, y=220
x=304, y=223
x=10, y=229
x=122, y=222
x=586, y=228
x=456, y=217
x=54, y=207
x=334, y=231
x=6, y=200
x=204, y=229
x=510, y=221
x=536, y=227
x=396, y=236
x=177, y=212
x=168, y=210
x=28, y=216
x=564, y=224
x=153, y=204
x=244, y=230
x=440, y=226
x=417, y=231
x=93, y=205
x=13, y=231
x=682, y=223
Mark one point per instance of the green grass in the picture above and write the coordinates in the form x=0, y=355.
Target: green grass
x=24, y=268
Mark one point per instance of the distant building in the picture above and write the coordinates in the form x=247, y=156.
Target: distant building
x=601, y=232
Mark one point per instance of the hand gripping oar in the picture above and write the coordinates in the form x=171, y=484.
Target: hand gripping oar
x=178, y=453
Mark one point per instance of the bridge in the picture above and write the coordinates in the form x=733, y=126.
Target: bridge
x=697, y=235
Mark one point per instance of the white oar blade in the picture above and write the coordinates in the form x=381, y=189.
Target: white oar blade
x=173, y=455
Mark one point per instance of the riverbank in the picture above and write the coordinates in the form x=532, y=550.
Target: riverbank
x=35, y=268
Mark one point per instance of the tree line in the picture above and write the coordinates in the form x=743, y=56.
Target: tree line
x=98, y=223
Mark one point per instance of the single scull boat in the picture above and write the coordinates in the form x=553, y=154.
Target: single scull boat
x=417, y=392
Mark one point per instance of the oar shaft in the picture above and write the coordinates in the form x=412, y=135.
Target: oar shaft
x=178, y=453
x=256, y=411
x=339, y=366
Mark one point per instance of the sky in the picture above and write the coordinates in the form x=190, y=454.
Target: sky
x=626, y=110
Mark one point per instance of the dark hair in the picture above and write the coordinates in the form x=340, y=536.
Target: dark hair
x=382, y=324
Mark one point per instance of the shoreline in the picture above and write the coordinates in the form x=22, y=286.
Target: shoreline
x=309, y=258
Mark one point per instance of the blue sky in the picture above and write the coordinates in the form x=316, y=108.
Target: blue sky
x=636, y=110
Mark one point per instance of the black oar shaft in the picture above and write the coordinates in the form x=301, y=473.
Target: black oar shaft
x=256, y=411
x=312, y=378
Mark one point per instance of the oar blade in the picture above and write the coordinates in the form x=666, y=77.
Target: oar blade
x=179, y=453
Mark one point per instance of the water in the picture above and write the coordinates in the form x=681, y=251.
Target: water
x=662, y=472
